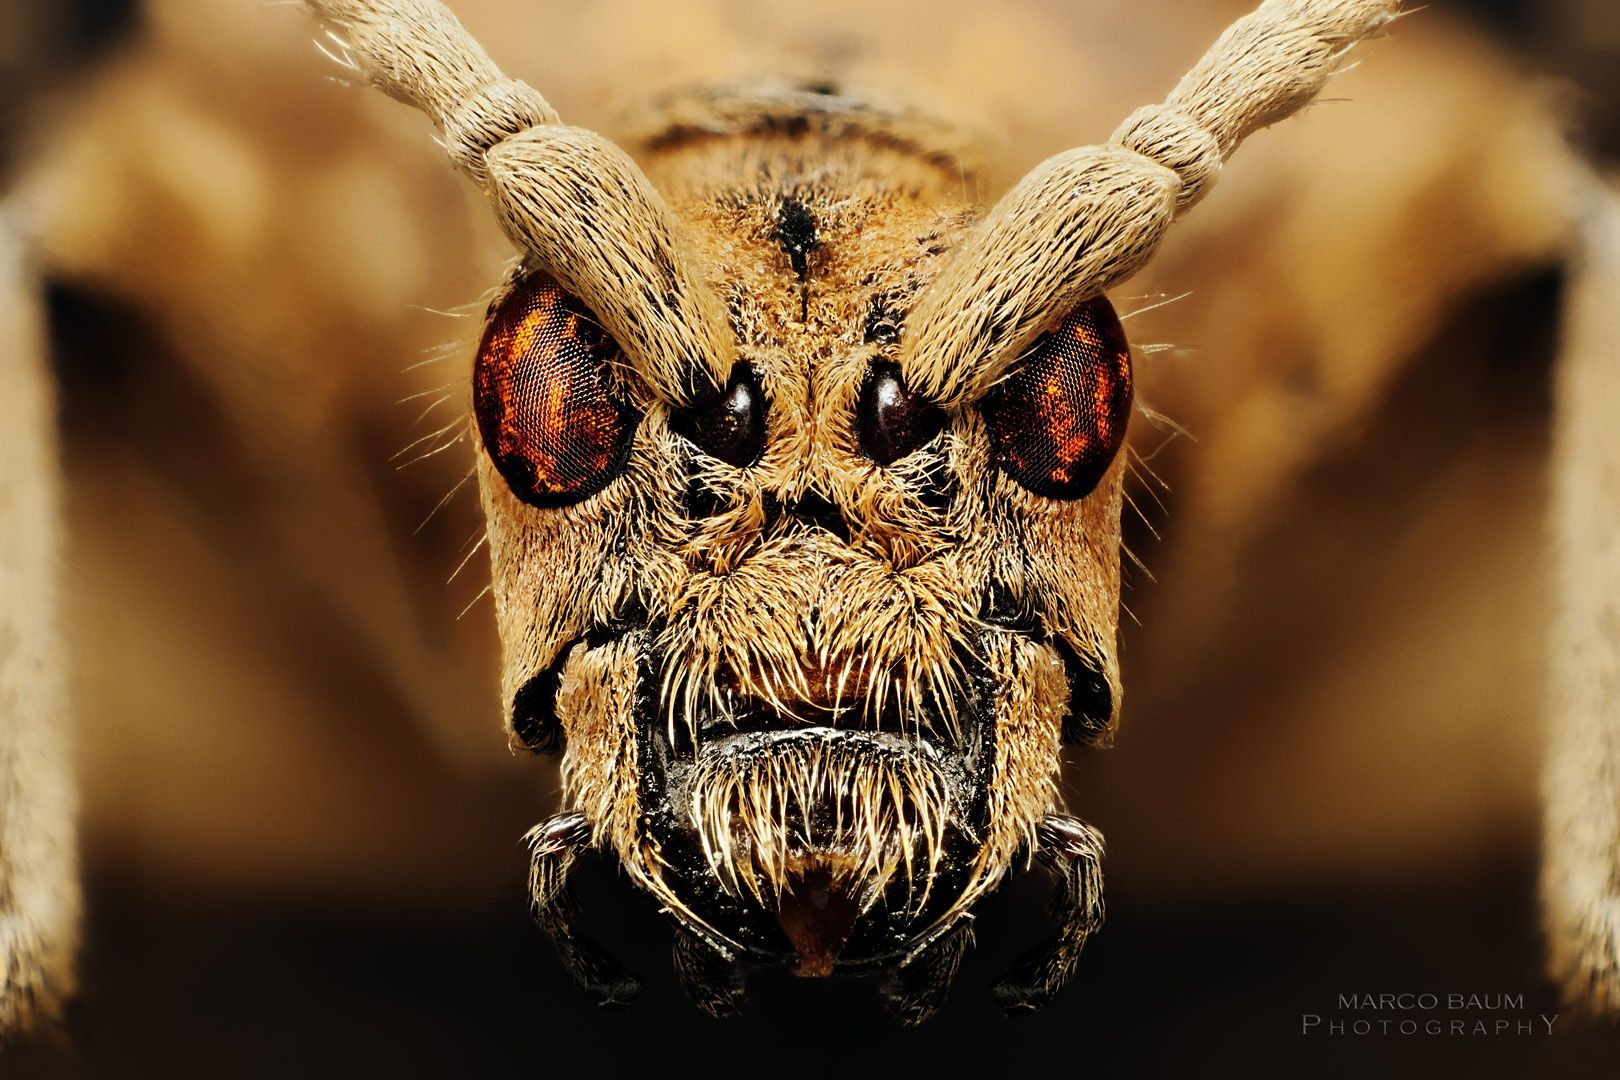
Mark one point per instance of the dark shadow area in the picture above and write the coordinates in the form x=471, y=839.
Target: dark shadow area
x=257, y=987
x=43, y=44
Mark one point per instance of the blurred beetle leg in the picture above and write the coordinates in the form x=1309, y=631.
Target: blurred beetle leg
x=1072, y=851
x=1581, y=846
x=39, y=881
x=916, y=989
x=712, y=981
x=554, y=845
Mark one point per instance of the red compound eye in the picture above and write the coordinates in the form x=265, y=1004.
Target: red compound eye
x=543, y=397
x=1058, y=420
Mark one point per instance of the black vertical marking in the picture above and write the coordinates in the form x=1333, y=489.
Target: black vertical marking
x=796, y=233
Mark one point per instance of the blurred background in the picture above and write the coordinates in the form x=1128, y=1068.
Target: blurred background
x=301, y=819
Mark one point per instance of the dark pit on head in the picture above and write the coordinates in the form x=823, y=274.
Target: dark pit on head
x=1091, y=702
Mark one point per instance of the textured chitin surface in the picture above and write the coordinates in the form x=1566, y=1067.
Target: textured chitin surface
x=1058, y=420
x=543, y=399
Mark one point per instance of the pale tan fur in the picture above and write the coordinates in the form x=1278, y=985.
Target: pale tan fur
x=1581, y=881
x=39, y=888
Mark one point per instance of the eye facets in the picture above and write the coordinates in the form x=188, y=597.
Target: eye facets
x=546, y=412
x=731, y=426
x=890, y=420
x=1057, y=422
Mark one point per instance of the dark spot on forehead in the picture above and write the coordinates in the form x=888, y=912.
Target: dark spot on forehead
x=796, y=233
